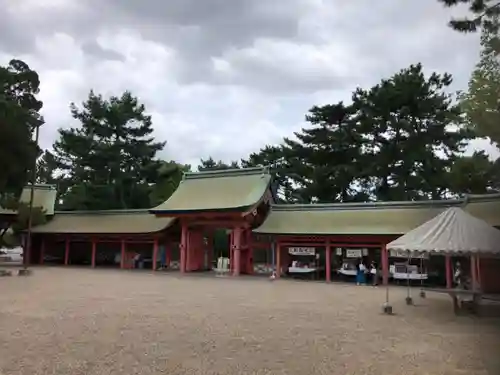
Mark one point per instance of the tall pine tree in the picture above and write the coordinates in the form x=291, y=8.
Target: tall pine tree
x=327, y=155
x=481, y=102
x=415, y=131
x=19, y=118
x=109, y=161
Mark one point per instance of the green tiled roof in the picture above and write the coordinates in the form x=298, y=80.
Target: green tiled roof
x=105, y=222
x=485, y=207
x=322, y=219
x=225, y=190
x=371, y=218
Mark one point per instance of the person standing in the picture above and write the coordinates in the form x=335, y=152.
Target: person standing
x=374, y=273
x=361, y=274
x=457, y=276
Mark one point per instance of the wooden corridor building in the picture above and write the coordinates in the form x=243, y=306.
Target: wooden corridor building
x=242, y=202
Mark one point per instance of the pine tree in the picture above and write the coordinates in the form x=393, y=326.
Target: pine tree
x=415, y=131
x=327, y=155
x=109, y=161
x=481, y=102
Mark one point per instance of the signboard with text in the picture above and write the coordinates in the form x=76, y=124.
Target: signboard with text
x=302, y=250
x=408, y=254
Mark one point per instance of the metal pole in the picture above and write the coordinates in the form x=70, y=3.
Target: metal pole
x=32, y=195
x=409, y=300
x=422, y=272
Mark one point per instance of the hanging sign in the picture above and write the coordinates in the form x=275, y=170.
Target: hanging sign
x=406, y=254
x=353, y=253
x=302, y=250
x=338, y=251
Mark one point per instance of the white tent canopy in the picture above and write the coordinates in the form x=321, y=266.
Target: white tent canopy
x=454, y=231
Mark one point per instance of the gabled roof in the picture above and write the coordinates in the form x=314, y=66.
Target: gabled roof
x=351, y=218
x=485, y=207
x=105, y=222
x=44, y=196
x=391, y=218
x=454, y=231
x=224, y=190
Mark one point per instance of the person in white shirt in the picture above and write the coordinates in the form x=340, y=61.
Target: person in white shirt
x=374, y=273
x=361, y=274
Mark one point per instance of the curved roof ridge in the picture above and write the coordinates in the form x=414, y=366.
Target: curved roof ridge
x=366, y=205
x=227, y=173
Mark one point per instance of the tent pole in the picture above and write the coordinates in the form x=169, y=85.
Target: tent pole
x=422, y=272
x=409, y=300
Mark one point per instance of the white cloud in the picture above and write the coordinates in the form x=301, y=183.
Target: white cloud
x=223, y=78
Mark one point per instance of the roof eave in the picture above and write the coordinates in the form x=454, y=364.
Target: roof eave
x=178, y=212
x=315, y=207
x=311, y=233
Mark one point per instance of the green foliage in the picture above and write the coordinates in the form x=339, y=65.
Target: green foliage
x=395, y=141
x=472, y=174
x=413, y=130
x=13, y=237
x=481, y=103
x=284, y=174
x=326, y=156
x=169, y=177
x=483, y=11
x=401, y=139
x=109, y=162
x=19, y=117
x=211, y=165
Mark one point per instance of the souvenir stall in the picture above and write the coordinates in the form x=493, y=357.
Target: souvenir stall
x=350, y=259
x=408, y=267
x=304, y=263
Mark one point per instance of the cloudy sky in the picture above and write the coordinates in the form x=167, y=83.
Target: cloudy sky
x=225, y=77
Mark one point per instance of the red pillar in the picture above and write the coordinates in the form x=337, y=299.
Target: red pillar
x=385, y=265
x=449, y=276
x=183, y=249
x=231, y=251
x=94, y=248
x=123, y=254
x=237, y=236
x=155, y=254
x=200, y=250
x=42, y=250
x=278, y=260
x=66, y=252
x=249, y=259
x=478, y=271
x=328, y=260
x=210, y=250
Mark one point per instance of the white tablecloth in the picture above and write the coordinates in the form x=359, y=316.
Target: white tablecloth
x=348, y=272
x=411, y=276
x=301, y=270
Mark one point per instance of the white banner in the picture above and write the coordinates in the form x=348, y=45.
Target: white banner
x=353, y=253
x=302, y=250
x=406, y=254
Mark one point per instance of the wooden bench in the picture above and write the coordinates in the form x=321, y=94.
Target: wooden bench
x=463, y=300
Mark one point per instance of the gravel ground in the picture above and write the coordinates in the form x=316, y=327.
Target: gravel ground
x=79, y=321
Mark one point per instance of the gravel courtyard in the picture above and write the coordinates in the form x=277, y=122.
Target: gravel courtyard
x=77, y=321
